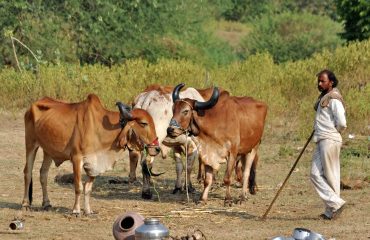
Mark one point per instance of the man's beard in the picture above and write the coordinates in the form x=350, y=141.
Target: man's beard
x=322, y=90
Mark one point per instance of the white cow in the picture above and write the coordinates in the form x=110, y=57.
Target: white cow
x=157, y=100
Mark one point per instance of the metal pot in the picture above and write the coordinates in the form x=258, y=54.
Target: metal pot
x=151, y=229
x=16, y=224
x=315, y=236
x=301, y=233
x=282, y=238
x=278, y=238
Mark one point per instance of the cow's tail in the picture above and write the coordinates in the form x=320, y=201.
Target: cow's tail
x=252, y=176
x=29, y=119
x=30, y=191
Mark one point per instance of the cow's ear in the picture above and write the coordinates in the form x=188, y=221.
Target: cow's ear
x=194, y=127
x=123, y=138
x=132, y=140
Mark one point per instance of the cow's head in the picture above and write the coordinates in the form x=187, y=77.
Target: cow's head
x=138, y=130
x=183, y=110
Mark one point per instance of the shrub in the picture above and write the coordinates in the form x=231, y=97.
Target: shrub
x=289, y=89
x=290, y=37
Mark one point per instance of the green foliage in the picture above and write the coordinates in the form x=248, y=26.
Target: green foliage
x=245, y=10
x=289, y=89
x=290, y=36
x=110, y=32
x=356, y=17
x=315, y=7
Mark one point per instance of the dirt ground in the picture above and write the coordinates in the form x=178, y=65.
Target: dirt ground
x=297, y=206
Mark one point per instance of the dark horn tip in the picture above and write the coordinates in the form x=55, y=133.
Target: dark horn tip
x=210, y=103
x=176, y=90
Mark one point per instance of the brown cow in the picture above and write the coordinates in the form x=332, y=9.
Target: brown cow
x=85, y=133
x=227, y=128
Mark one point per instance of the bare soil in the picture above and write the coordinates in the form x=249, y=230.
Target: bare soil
x=297, y=206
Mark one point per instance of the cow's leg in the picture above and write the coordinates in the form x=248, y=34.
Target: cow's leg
x=44, y=170
x=246, y=166
x=252, y=185
x=77, y=167
x=179, y=168
x=134, y=159
x=201, y=170
x=87, y=192
x=190, y=163
x=227, y=179
x=145, y=192
x=207, y=183
x=31, y=150
x=239, y=170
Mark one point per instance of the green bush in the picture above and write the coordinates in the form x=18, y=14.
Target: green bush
x=355, y=15
x=289, y=89
x=110, y=32
x=290, y=37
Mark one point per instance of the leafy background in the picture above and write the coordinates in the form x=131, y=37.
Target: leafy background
x=270, y=50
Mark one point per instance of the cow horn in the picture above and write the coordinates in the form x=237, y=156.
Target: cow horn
x=210, y=103
x=148, y=170
x=124, y=110
x=175, y=93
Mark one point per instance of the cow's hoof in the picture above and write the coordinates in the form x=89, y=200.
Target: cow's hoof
x=241, y=200
x=228, y=203
x=26, y=207
x=146, y=195
x=91, y=214
x=177, y=190
x=135, y=183
x=47, y=207
x=190, y=189
x=201, y=203
x=132, y=180
x=76, y=214
x=253, y=190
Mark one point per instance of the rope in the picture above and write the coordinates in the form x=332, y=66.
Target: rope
x=186, y=165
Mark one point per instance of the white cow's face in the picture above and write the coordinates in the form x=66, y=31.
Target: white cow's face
x=160, y=105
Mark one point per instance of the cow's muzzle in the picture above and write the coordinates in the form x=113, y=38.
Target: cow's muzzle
x=174, y=129
x=153, y=148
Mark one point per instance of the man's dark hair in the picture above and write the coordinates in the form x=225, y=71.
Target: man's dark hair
x=330, y=75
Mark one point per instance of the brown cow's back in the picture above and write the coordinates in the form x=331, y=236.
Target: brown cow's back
x=57, y=125
x=241, y=117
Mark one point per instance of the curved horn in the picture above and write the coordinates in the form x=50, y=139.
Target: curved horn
x=124, y=110
x=175, y=93
x=210, y=103
x=148, y=171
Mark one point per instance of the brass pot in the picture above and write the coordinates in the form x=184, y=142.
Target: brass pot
x=125, y=225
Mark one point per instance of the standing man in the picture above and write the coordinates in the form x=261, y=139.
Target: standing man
x=330, y=121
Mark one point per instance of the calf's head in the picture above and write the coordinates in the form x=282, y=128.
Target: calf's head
x=183, y=110
x=138, y=131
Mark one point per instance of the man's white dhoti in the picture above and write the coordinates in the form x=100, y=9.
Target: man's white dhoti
x=325, y=174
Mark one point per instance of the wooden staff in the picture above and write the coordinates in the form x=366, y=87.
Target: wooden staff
x=286, y=179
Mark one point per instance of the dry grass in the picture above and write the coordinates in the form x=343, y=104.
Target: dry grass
x=297, y=206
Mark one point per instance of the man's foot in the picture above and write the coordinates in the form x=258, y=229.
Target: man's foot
x=337, y=213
